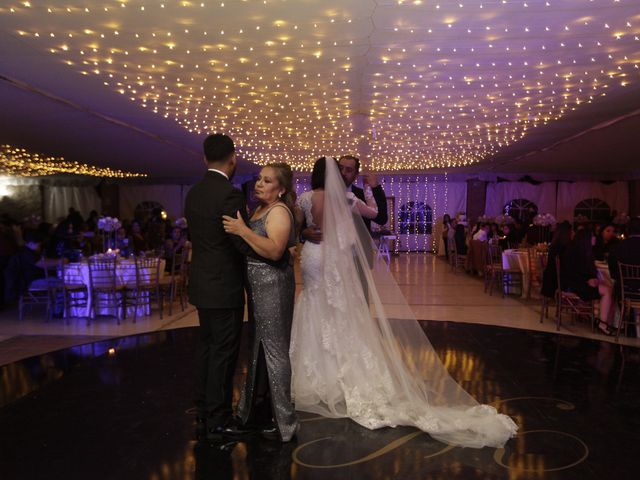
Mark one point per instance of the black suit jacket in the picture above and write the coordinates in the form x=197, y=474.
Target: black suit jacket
x=217, y=272
x=381, y=203
x=627, y=251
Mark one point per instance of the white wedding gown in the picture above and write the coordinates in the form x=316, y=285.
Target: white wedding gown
x=357, y=350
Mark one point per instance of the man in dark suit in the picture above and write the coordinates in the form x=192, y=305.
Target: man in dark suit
x=627, y=251
x=216, y=286
x=349, y=169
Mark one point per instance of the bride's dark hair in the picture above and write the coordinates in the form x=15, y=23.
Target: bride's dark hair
x=284, y=175
x=319, y=169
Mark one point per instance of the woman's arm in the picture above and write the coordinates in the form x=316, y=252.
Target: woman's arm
x=278, y=226
x=367, y=210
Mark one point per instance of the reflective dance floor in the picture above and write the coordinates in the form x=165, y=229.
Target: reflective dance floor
x=121, y=409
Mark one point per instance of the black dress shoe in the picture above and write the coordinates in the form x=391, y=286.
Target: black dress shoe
x=232, y=429
x=271, y=432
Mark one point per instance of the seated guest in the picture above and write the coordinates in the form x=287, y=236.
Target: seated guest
x=156, y=229
x=92, y=221
x=626, y=251
x=139, y=243
x=23, y=269
x=579, y=275
x=519, y=230
x=460, y=239
x=494, y=233
x=122, y=242
x=605, y=240
x=509, y=238
x=562, y=237
x=482, y=234
x=174, y=245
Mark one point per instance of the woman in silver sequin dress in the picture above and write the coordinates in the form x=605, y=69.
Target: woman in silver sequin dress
x=270, y=232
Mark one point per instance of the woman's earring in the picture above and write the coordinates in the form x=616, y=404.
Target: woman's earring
x=280, y=195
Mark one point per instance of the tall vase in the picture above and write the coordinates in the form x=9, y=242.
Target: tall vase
x=108, y=241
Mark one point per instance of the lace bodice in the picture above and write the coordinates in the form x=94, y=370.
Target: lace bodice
x=304, y=203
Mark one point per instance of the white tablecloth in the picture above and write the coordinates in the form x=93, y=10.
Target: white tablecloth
x=514, y=259
x=125, y=275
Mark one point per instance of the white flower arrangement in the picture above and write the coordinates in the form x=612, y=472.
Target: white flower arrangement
x=181, y=223
x=485, y=219
x=109, y=224
x=544, y=220
x=504, y=219
x=621, y=219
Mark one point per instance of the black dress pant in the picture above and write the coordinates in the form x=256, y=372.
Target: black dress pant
x=217, y=354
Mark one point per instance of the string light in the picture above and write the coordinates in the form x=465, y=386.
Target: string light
x=434, y=218
x=18, y=162
x=442, y=85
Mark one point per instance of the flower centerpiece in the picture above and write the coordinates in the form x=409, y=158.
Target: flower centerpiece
x=504, y=220
x=108, y=226
x=181, y=223
x=544, y=222
x=621, y=219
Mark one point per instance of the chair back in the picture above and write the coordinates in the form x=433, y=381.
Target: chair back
x=451, y=245
x=629, y=282
x=186, y=255
x=494, y=254
x=71, y=276
x=102, y=272
x=147, y=271
x=179, y=262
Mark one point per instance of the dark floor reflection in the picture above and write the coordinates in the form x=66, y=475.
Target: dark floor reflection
x=121, y=409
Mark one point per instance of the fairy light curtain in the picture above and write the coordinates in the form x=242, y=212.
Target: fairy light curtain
x=418, y=205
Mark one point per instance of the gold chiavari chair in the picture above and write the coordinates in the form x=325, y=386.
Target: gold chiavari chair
x=105, y=290
x=146, y=289
x=75, y=291
x=174, y=285
x=629, y=296
x=572, y=303
x=42, y=291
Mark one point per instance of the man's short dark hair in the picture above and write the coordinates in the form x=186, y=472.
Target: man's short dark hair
x=634, y=226
x=354, y=158
x=218, y=147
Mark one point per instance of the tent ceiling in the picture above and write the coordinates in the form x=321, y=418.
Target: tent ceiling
x=495, y=85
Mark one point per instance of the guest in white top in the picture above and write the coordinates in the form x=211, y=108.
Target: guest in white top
x=482, y=234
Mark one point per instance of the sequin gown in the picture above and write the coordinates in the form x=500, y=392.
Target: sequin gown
x=272, y=292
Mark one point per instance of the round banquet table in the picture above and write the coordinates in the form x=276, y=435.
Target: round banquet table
x=125, y=275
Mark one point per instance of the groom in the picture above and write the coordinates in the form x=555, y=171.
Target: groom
x=217, y=287
x=349, y=166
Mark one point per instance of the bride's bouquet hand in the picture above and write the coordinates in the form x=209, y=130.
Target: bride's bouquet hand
x=235, y=226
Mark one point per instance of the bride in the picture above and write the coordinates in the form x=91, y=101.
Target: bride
x=356, y=349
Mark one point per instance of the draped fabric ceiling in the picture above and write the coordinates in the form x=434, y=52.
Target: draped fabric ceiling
x=420, y=85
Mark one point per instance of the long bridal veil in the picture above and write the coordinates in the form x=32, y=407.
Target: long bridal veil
x=387, y=373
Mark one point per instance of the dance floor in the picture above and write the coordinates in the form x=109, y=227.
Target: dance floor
x=121, y=409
